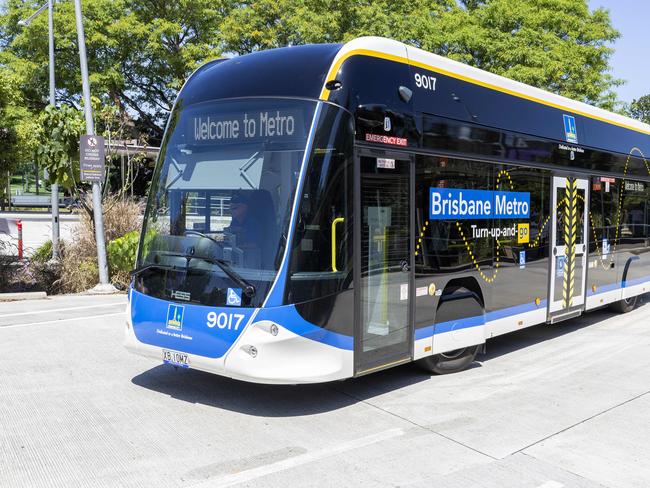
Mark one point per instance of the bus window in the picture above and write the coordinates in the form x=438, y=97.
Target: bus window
x=217, y=221
x=634, y=214
x=440, y=246
x=321, y=255
x=603, y=215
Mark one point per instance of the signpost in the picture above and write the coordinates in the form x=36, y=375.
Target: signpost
x=91, y=158
x=93, y=148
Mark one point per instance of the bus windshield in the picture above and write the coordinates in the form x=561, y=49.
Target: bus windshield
x=219, y=208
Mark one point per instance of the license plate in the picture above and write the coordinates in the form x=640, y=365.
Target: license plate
x=175, y=358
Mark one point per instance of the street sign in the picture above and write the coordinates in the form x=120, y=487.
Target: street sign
x=91, y=158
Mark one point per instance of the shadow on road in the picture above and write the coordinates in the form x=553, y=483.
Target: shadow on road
x=271, y=400
x=292, y=401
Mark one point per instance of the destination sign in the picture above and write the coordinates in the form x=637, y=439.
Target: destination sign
x=457, y=204
x=247, y=126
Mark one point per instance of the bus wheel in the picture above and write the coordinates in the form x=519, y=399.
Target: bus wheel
x=451, y=361
x=624, y=306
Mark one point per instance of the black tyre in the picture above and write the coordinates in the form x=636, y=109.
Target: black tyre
x=625, y=306
x=456, y=302
x=450, y=362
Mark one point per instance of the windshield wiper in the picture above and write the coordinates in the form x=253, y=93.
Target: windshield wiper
x=146, y=267
x=247, y=288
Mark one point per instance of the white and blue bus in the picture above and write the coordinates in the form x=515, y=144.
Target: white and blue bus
x=321, y=212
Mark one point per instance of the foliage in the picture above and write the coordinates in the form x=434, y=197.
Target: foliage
x=141, y=51
x=15, y=114
x=8, y=145
x=59, y=143
x=9, y=138
x=43, y=253
x=265, y=24
x=79, y=261
x=558, y=45
x=640, y=109
x=122, y=252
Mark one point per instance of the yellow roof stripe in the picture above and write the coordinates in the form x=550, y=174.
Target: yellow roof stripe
x=334, y=69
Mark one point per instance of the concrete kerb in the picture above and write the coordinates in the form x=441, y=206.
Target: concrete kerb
x=31, y=295
x=101, y=289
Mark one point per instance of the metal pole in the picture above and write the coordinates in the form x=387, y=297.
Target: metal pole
x=90, y=130
x=19, y=227
x=55, y=185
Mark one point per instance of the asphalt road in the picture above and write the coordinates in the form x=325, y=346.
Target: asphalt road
x=548, y=407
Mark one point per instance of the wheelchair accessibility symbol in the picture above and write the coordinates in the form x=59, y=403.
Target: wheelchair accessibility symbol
x=233, y=297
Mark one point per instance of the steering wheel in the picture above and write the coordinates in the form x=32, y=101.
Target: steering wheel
x=201, y=234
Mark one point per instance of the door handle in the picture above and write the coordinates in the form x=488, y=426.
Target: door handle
x=337, y=220
x=555, y=251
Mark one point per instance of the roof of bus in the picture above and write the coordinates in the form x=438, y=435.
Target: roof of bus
x=399, y=52
x=297, y=71
x=302, y=71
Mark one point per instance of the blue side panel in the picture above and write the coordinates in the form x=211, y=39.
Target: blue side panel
x=517, y=309
x=616, y=286
x=425, y=332
x=635, y=281
x=289, y=318
x=603, y=289
x=185, y=327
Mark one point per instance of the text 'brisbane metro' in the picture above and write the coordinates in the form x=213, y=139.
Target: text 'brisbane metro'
x=448, y=203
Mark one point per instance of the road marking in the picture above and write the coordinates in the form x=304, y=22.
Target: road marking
x=551, y=484
x=259, y=472
x=61, y=320
x=18, y=314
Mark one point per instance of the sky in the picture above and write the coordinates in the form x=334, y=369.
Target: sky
x=629, y=61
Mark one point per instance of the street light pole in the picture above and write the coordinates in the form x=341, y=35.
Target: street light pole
x=55, y=186
x=104, y=285
x=54, y=201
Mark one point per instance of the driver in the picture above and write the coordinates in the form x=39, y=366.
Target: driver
x=244, y=226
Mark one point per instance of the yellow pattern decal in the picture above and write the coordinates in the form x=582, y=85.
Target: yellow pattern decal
x=569, y=226
x=570, y=235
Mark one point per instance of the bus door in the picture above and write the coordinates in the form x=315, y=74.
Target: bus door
x=568, y=263
x=384, y=260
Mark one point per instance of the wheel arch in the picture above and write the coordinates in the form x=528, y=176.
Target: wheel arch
x=460, y=316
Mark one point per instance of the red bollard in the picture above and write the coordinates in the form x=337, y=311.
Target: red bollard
x=19, y=225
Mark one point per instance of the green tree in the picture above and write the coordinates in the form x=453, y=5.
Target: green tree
x=58, y=151
x=16, y=120
x=139, y=51
x=640, y=109
x=265, y=24
x=557, y=45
